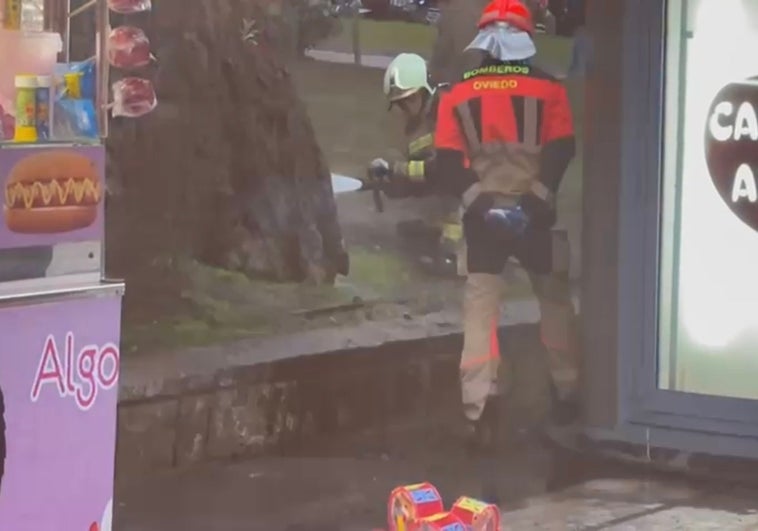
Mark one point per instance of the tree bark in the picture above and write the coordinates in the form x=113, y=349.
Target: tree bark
x=227, y=169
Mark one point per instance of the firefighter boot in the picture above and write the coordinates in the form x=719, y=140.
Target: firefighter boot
x=483, y=435
x=482, y=446
x=565, y=410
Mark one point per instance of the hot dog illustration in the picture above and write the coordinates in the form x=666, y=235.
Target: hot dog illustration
x=52, y=192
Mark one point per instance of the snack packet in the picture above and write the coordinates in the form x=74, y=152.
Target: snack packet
x=128, y=48
x=86, y=83
x=133, y=97
x=75, y=119
x=129, y=7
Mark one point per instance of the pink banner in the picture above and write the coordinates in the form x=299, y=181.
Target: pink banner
x=59, y=369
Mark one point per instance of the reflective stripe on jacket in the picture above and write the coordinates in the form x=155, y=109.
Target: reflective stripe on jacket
x=509, y=129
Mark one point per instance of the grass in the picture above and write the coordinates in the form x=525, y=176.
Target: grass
x=225, y=305
x=391, y=38
x=385, y=38
x=384, y=272
x=349, y=112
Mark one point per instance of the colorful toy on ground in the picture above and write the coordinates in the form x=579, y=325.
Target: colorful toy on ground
x=477, y=515
x=419, y=507
x=441, y=522
x=409, y=504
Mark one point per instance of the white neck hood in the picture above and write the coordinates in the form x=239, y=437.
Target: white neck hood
x=504, y=42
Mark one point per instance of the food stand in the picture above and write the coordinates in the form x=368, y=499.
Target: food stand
x=59, y=315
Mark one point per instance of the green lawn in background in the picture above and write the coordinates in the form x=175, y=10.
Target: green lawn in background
x=384, y=38
x=390, y=38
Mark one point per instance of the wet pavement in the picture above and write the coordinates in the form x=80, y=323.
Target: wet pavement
x=344, y=487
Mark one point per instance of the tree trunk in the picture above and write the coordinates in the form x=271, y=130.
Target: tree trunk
x=227, y=169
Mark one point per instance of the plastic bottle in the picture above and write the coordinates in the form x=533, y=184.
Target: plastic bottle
x=26, y=109
x=12, y=14
x=44, y=107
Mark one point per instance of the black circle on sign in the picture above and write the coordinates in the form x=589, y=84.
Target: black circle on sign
x=727, y=158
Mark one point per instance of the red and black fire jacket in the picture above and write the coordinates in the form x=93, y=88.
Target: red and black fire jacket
x=515, y=114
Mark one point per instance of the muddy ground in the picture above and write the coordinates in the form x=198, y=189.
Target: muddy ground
x=344, y=487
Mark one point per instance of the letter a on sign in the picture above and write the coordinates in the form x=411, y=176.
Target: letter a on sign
x=744, y=186
x=746, y=123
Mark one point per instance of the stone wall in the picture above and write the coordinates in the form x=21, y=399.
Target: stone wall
x=291, y=406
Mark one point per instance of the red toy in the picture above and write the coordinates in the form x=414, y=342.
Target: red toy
x=442, y=522
x=408, y=505
x=477, y=515
x=419, y=508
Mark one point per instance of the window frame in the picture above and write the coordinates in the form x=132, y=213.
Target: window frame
x=644, y=85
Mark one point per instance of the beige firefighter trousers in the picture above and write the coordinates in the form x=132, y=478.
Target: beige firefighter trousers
x=481, y=373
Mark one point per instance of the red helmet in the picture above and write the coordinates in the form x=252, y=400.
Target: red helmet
x=514, y=12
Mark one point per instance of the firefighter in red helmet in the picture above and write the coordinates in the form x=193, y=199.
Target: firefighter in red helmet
x=504, y=139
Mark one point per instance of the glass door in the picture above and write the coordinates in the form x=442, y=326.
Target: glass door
x=708, y=298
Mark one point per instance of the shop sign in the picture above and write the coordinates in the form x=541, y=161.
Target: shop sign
x=731, y=148
x=59, y=368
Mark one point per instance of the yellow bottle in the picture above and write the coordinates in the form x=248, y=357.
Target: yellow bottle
x=26, y=109
x=12, y=15
x=73, y=81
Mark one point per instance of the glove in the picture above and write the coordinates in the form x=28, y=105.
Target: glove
x=512, y=222
x=379, y=168
x=393, y=183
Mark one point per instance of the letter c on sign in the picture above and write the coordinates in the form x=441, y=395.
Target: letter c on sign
x=720, y=132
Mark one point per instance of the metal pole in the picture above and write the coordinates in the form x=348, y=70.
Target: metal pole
x=67, y=34
x=356, y=30
x=103, y=25
x=82, y=8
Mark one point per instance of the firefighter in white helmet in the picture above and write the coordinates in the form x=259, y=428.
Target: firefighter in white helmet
x=407, y=87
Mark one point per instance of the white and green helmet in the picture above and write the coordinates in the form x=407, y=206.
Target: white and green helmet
x=405, y=76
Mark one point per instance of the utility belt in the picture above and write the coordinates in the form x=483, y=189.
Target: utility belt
x=505, y=200
x=559, y=242
x=505, y=173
